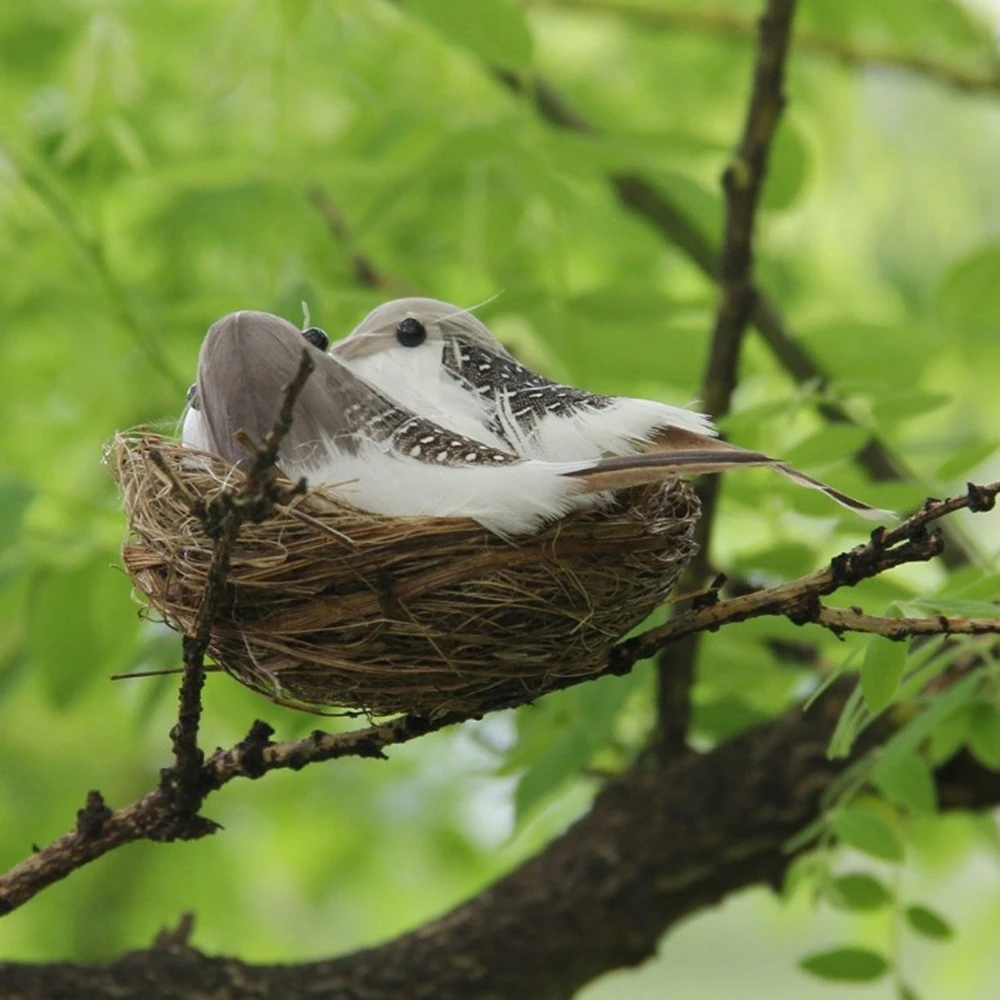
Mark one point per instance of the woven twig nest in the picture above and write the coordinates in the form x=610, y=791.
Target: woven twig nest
x=329, y=606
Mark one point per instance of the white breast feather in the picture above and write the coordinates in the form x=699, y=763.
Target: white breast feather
x=505, y=499
x=417, y=379
x=193, y=430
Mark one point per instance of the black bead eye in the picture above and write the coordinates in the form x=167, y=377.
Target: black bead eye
x=317, y=337
x=411, y=332
x=192, y=397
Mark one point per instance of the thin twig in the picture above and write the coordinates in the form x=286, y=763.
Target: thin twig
x=727, y=25
x=366, y=272
x=221, y=520
x=742, y=182
x=855, y=620
x=799, y=600
x=93, y=253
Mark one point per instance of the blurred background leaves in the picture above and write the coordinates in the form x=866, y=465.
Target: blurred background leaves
x=159, y=165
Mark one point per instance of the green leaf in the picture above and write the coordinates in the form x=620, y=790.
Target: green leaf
x=940, y=708
x=787, y=168
x=832, y=444
x=881, y=671
x=966, y=458
x=592, y=153
x=81, y=624
x=905, y=992
x=597, y=705
x=969, y=295
x=847, y=347
x=984, y=733
x=948, y=737
x=62, y=635
x=15, y=497
x=955, y=606
x=867, y=833
x=564, y=759
x=786, y=559
x=494, y=30
x=805, y=872
x=126, y=140
x=559, y=737
x=928, y=923
x=904, y=404
x=846, y=965
x=971, y=583
x=859, y=892
x=906, y=780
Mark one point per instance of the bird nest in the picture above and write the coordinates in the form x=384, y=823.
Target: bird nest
x=328, y=606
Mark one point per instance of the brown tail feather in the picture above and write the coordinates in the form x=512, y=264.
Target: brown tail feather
x=676, y=451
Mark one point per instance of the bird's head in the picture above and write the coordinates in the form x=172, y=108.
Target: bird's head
x=415, y=324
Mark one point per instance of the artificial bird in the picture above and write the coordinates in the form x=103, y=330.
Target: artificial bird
x=443, y=363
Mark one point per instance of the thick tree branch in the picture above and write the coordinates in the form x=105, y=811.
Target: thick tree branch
x=723, y=24
x=742, y=183
x=660, y=843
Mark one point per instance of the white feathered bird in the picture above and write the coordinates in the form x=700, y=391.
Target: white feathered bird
x=381, y=455
x=443, y=363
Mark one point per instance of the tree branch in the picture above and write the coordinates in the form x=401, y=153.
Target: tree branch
x=742, y=182
x=366, y=272
x=660, y=843
x=799, y=600
x=221, y=521
x=723, y=24
x=839, y=620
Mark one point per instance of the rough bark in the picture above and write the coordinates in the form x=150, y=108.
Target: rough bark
x=662, y=842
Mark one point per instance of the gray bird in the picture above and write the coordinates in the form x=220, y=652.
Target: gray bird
x=443, y=363
x=381, y=455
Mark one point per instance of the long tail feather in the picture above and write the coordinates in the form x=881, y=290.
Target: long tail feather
x=689, y=453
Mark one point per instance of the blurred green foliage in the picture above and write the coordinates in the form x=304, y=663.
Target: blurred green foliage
x=161, y=164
